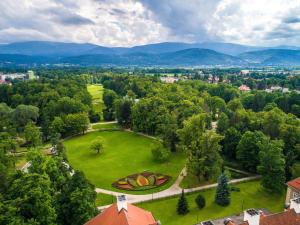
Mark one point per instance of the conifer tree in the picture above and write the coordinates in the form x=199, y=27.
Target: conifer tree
x=223, y=191
x=182, y=205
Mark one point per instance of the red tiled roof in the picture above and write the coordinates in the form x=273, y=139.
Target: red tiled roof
x=244, y=223
x=132, y=216
x=288, y=217
x=295, y=183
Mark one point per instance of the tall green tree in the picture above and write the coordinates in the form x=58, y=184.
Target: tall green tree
x=223, y=123
x=5, y=117
x=290, y=134
x=76, y=202
x=167, y=132
x=272, y=165
x=76, y=123
x=273, y=119
x=223, y=191
x=57, y=126
x=33, y=136
x=193, y=128
x=230, y=142
x=203, y=148
x=23, y=114
x=97, y=146
x=182, y=205
x=123, y=112
x=5, y=167
x=109, y=98
x=32, y=195
x=248, y=149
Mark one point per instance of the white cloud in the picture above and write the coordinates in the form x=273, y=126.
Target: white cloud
x=135, y=22
x=121, y=23
x=252, y=21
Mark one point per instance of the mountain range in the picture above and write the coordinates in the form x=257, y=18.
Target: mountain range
x=161, y=54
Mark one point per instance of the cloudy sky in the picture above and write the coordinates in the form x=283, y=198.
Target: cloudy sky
x=135, y=22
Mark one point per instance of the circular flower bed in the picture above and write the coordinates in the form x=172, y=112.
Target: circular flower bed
x=141, y=181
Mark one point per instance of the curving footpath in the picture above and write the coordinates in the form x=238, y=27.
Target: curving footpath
x=174, y=190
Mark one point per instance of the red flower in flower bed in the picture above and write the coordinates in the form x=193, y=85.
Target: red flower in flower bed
x=141, y=181
x=125, y=186
x=160, y=182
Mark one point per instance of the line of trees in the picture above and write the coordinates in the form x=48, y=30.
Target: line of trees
x=180, y=113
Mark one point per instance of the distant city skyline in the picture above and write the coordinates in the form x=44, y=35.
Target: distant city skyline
x=136, y=22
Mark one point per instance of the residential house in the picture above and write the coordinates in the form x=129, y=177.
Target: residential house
x=169, y=79
x=244, y=72
x=244, y=88
x=293, y=190
x=290, y=216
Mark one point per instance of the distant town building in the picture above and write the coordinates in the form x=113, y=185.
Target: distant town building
x=123, y=213
x=5, y=78
x=31, y=75
x=276, y=88
x=244, y=72
x=216, y=79
x=169, y=80
x=244, y=88
x=13, y=76
x=285, y=90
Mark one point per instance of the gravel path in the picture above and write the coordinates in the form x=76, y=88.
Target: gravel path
x=174, y=190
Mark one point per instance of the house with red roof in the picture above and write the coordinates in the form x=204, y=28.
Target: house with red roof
x=293, y=190
x=244, y=88
x=290, y=216
x=123, y=213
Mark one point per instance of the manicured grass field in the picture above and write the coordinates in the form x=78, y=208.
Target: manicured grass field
x=104, y=199
x=124, y=153
x=96, y=91
x=250, y=196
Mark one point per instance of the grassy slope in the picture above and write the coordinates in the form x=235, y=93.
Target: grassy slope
x=250, y=196
x=96, y=91
x=125, y=153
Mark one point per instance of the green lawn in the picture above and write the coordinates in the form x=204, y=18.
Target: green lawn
x=125, y=153
x=191, y=181
x=250, y=196
x=96, y=91
x=104, y=199
x=106, y=126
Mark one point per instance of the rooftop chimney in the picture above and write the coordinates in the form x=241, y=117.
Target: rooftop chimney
x=295, y=204
x=228, y=221
x=252, y=216
x=122, y=202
